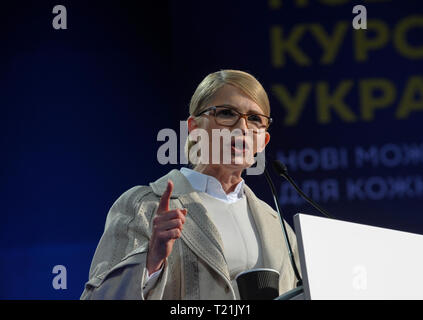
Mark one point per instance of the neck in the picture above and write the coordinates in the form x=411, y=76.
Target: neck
x=228, y=178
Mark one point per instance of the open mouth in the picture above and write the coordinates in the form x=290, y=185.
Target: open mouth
x=239, y=146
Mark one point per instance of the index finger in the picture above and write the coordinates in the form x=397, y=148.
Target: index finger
x=164, y=200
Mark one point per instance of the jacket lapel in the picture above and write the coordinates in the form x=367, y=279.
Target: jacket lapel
x=199, y=232
x=201, y=235
x=269, y=231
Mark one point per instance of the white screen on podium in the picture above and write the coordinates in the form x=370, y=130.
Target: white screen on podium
x=344, y=260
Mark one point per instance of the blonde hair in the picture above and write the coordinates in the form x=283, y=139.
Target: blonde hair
x=205, y=91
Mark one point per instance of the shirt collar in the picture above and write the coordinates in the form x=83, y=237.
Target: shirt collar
x=210, y=185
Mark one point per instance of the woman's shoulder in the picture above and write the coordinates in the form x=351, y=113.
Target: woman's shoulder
x=136, y=194
x=134, y=203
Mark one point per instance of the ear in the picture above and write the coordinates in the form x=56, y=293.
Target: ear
x=266, y=141
x=266, y=138
x=192, y=123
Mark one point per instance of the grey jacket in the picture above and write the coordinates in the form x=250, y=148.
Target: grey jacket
x=196, y=268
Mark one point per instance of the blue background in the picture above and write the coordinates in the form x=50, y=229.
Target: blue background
x=81, y=109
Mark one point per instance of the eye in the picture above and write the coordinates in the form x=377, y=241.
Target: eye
x=225, y=113
x=255, y=118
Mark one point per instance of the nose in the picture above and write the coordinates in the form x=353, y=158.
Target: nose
x=242, y=124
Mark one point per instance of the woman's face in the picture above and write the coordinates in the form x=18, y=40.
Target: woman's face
x=237, y=149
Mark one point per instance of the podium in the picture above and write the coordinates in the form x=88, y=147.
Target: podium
x=348, y=261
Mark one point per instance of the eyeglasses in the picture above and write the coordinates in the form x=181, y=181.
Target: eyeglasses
x=228, y=116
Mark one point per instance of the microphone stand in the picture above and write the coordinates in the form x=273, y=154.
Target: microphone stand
x=284, y=231
x=281, y=170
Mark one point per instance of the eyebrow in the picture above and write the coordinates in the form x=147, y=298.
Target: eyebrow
x=233, y=107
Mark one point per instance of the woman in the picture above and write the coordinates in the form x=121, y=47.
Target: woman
x=188, y=234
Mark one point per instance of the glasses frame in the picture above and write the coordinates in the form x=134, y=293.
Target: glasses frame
x=240, y=115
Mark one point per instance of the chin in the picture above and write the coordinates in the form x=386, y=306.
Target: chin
x=244, y=164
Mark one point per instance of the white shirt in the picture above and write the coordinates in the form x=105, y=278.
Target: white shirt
x=231, y=218
x=210, y=185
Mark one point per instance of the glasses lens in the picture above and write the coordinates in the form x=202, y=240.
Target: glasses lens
x=257, y=121
x=226, y=116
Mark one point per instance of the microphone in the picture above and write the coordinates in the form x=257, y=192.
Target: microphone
x=284, y=231
x=282, y=171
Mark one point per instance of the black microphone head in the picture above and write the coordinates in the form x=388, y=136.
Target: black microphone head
x=279, y=168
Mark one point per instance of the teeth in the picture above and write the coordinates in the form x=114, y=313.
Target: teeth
x=240, y=147
x=242, y=144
